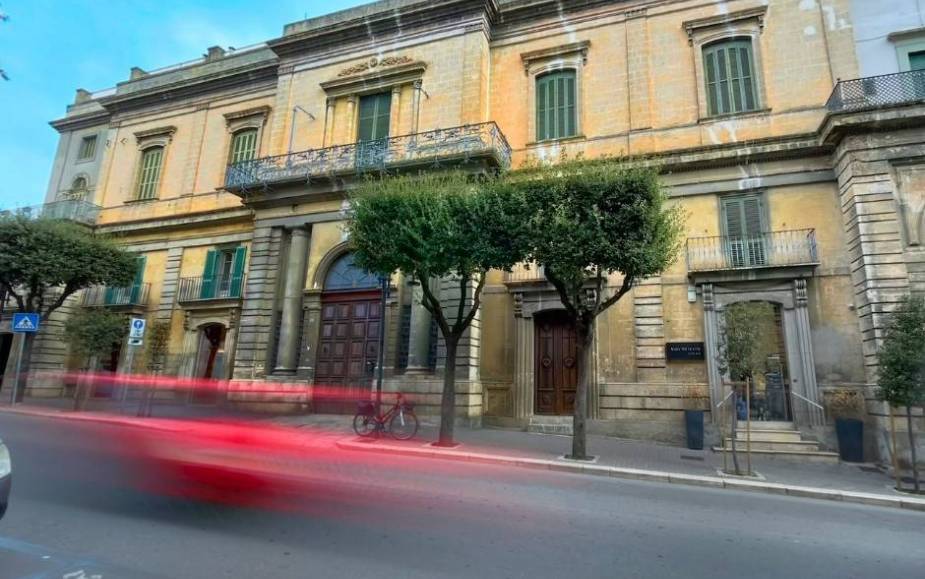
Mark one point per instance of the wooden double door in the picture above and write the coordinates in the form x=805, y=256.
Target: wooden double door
x=556, y=365
x=348, y=350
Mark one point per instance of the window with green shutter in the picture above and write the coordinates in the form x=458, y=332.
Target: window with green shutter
x=135, y=294
x=556, y=111
x=729, y=74
x=374, y=115
x=223, y=274
x=744, y=226
x=917, y=60
x=150, y=174
x=243, y=146
x=87, y=148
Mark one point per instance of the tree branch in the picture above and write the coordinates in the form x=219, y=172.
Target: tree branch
x=65, y=293
x=476, y=302
x=16, y=296
x=435, y=308
x=628, y=282
x=461, y=306
x=563, y=293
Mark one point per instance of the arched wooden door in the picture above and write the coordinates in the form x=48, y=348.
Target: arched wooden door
x=557, y=362
x=348, y=348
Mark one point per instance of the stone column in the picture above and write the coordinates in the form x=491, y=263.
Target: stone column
x=523, y=361
x=287, y=355
x=416, y=106
x=419, y=335
x=395, y=112
x=328, y=123
x=712, y=338
x=351, y=135
x=801, y=366
x=311, y=330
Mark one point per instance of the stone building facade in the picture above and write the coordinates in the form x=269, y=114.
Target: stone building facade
x=229, y=175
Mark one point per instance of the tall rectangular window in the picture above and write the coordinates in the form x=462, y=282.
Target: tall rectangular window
x=556, y=113
x=744, y=227
x=729, y=74
x=375, y=112
x=243, y=146
x=223, y=275
x=87, y=148
x=150, y=174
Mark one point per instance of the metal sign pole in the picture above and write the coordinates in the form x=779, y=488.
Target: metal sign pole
x=22, y=347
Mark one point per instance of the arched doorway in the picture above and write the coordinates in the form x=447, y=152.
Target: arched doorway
x=556, y=363
x=348, y=346
x=210, y=360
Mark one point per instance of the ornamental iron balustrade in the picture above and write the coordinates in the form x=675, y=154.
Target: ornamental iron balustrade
x=103, y=296
x=464, y=143
x=877, y=91
x=195, y=289
x=77, y=210
x=774, y=249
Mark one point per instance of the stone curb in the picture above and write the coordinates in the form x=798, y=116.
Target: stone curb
x=898, y=502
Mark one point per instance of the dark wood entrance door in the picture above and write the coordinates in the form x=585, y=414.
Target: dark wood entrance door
x=347, y=351
x=556, y=364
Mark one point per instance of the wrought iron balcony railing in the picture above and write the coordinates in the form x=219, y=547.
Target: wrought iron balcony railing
x=106, y=296
x=197, y=289
x=76, y=210
x=775, y=249
x=525, y=273
x=464, y=143
x=877, y=91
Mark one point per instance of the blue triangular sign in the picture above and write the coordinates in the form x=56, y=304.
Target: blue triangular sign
x=25, y=324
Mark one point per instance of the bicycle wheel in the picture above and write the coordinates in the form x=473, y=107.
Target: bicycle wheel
x=364, y=425
x=403, y=425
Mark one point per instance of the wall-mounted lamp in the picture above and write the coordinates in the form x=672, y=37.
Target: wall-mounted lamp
x=296, y=109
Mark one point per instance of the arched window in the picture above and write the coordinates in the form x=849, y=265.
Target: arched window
x=729, y=74
x=345, y=275
x=150, y=174
x=556, y=113
x=243, y=146
x=78, y=188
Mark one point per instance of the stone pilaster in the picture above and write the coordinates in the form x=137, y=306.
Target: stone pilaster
x=419, y=335
x=170, y=284
x=258, y=310
x=311, y=332
x=287, y=355
x=468, y=350
x=523, y=360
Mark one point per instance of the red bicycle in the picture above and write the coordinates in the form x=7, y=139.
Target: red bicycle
x=400, y=421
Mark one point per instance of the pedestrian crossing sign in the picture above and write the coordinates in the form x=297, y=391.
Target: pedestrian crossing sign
x=26, y=323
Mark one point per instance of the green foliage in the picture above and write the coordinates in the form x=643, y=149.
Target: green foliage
x=902, y=355
x=37, y=255
x=157, y=339
x=434, y=225
x=94, y=332
x=740, y=349
x=590, y=219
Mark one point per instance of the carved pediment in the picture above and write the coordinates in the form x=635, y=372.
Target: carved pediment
x=374, y=63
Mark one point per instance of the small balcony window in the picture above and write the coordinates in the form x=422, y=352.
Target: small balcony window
x=729, y=74
x=150, y=175
x=243, y=146
x=556, y=113
x=87, y=148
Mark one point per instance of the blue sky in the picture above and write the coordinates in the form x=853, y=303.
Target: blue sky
x=49, y=48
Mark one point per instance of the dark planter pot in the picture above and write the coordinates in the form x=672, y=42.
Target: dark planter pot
x=693, y=423
x=850, y=433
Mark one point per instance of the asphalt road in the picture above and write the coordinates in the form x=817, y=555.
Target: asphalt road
x=430, y=519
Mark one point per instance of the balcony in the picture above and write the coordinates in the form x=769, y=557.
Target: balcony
x=524, y=273
x=128, y=298
x=432, y=148
x=218, y=289
x=878, y=91
x=76, y=210
x=779, y=249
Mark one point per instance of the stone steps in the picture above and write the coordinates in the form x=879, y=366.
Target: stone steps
x=771, y=435
x=812, y=456
x=551, y=425
x=779, y=439
x=799, y=445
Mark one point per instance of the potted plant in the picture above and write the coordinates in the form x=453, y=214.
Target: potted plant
x=847, y=406
x=693, y=417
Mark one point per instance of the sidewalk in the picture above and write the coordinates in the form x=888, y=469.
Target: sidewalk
x=662, y=461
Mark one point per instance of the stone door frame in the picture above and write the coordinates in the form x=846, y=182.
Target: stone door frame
x=791, y=295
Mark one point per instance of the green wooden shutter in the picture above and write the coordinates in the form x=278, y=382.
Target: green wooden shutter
x=150, y=172
x=729, y=77
x=743, y=228
x=374, y=116
x=917, y=60
x=237, y=272
x=207, y=290
x=244, y=146
x=556, y=110
x=139, y=279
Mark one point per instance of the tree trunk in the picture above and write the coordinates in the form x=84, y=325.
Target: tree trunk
x=732, y=433
x=448, y=401
x=24, y=364
x=579, y=427
x=83, y=387
x=913, y=454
